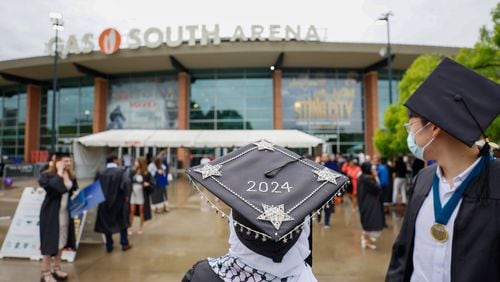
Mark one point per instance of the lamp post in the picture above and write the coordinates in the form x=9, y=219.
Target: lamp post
x=57, y=25
x=385, y=17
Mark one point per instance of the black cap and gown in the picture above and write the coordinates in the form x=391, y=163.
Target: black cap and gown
x=463, y=104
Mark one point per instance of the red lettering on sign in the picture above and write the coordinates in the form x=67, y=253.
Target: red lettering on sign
x=142, y=104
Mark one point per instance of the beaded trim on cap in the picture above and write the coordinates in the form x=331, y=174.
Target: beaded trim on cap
x=264, y=237
x=275, y=214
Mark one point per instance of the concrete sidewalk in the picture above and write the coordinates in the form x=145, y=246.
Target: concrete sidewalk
x=172, y=242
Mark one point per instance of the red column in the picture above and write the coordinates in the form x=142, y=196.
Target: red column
x=183, y=114
x=370, y=81
x=100, y=104
x=32, y=128
x=278, y=110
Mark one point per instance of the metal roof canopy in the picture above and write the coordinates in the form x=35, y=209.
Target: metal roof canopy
x=197, y=138
x=225, y=55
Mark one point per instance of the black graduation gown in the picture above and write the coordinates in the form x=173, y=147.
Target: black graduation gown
x=476, y=234
x=201, y=272
x=49, y=213
x=371, y=213
x=159, y=192
x=112, y=213
x=147, y=196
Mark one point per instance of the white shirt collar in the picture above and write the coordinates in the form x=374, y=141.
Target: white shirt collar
x=457, y=180
x=111, y=165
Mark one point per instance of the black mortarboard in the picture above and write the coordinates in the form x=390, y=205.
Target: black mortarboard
x=270, y=189
x=458, y=100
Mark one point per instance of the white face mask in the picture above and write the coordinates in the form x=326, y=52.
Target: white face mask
x=417, y=151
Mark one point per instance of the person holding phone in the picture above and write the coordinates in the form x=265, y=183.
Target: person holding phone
x=56, y=228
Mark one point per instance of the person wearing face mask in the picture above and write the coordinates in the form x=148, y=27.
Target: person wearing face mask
x=451, y=228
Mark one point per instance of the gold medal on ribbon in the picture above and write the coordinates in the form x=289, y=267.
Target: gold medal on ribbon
x=439, y=232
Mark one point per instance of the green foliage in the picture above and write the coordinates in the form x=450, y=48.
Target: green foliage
x=483, y=58
x=391, y=141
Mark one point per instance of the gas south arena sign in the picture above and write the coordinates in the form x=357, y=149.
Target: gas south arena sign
x=111, y=40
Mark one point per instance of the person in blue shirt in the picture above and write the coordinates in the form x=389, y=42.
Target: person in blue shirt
x=331, y=164
x=384, y=179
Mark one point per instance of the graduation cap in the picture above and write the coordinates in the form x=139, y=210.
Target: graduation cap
x=270, y=189
x=458, y=100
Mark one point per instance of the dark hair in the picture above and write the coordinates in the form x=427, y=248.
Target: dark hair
x=111, y=158
x=412, y=114
x=383, y=160
x=366, y=168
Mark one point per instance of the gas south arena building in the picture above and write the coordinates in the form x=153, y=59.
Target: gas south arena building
x=190, y=77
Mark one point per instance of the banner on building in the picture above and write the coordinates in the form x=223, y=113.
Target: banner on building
x=142, y=104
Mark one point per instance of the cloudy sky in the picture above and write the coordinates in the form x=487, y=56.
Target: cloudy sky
x=25, y=27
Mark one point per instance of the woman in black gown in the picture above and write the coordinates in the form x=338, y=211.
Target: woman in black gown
x=372, y=217
x=56, y=227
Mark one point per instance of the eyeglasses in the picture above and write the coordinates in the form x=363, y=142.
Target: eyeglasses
x=407, y=126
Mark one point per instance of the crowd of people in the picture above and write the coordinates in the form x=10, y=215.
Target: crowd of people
x=128, y=192
x=434, y=240
x=376, y=186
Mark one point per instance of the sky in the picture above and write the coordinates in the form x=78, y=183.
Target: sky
x=25, y=27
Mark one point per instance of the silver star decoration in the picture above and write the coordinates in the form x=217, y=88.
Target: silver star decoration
x=208, y=170
x=326, y=175
x=275, y=214
x=264, y=145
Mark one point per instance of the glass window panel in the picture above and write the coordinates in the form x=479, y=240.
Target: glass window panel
x=13, y=116
x=383, y=97
x=231, y=99
x=202, y=125
x=65, y=130
x=22, y=108
x=232, y=125
x=324, y=103
x=70, y=98
x=74, y=112
x=320, y=103
x=85, y=129
x=9, y=151
x=259, y=113
x=147, y=102
x=264, y=124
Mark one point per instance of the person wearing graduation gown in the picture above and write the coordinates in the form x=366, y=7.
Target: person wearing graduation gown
x=112, y=213
x=451, y=228
x=56, y=227
x=159, y=197
x=370, y=211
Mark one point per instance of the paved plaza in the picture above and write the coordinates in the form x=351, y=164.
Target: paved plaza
x=172, y=242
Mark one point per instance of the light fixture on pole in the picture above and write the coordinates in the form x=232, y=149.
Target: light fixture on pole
x=57, y=25
x=385, y=17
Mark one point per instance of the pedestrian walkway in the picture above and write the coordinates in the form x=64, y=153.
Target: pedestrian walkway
x=172, y=242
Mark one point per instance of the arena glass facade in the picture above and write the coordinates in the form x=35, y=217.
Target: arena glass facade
x=339, y=95
x=323, y=102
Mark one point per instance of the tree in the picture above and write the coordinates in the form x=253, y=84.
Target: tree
x=391, y=141
x=483, y=58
